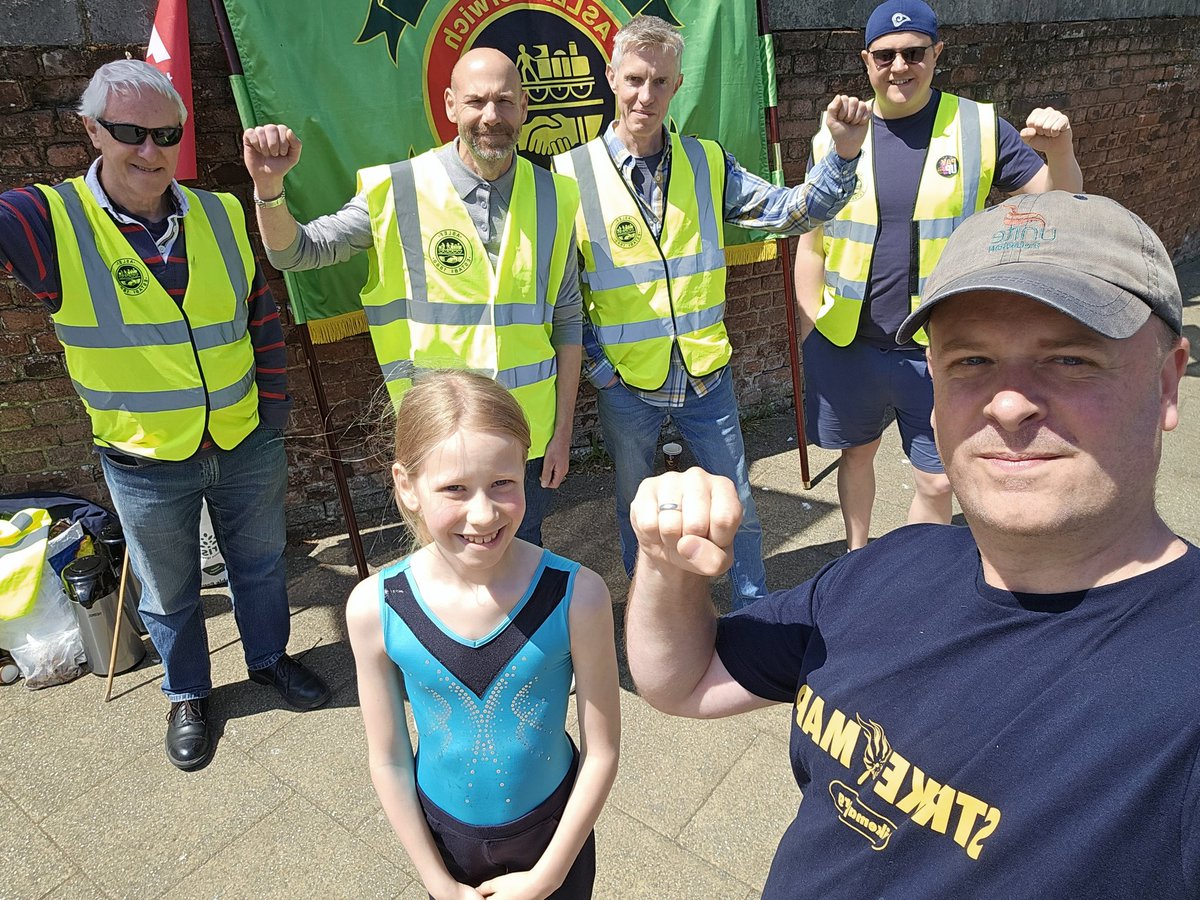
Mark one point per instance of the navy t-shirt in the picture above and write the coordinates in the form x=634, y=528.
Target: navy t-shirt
x=900, y=146
x=956, y=740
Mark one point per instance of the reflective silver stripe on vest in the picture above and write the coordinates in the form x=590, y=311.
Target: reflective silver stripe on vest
x=234, y=393
x=408, y=223
x=166, y=401
x=846, y=230
x=935, y=229
x=710, y=234
x=585, y=177
x=218, y=220
x=111, y=331
x=141, y=401
x=546, y=195
x=842, y=286
x=971, y=163
x=530, y=373
x=518, y=376
x=457, y=314
x=632, y=332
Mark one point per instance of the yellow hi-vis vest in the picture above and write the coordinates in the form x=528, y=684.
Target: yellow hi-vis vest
x=432, y=299
x=23, y=542
x=152, y=375
x=642, y=295
x=955, y=181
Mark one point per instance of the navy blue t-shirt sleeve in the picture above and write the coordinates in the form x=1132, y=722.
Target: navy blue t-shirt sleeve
x=763, y=645
x=1016, y=162
x=27, y=244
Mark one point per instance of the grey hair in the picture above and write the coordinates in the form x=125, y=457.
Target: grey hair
x=647, y=31
x=126, y=77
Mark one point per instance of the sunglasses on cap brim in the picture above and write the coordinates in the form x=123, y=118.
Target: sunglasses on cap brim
x=134, y=135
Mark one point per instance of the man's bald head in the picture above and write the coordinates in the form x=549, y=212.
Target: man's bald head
x=487, y=63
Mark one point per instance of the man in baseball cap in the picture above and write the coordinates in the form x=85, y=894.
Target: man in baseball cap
x=930, y=160
x=1004, y=710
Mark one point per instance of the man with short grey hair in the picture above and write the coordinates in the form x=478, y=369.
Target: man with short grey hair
x=653, y=206
x=173, y=343
x=1004, y=710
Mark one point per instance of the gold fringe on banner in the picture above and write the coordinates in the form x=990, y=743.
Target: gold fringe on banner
x=335, y=328
x=744, y=254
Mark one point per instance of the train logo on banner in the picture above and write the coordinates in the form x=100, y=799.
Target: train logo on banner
x=560, y=47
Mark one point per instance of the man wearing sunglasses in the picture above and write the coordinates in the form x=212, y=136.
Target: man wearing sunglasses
x=929, y=161
x=173, y=343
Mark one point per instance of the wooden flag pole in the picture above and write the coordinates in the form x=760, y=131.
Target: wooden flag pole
x=789, y=288
x=311, y=362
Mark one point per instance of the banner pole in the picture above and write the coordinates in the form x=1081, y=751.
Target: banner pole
x=311, y=363
x=785, y=256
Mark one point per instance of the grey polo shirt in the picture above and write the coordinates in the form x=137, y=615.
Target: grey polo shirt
x=337, y=237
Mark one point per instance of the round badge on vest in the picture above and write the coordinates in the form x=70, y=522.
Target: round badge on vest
x=947, y=166
x=131, y=275
x=450, y=251
x=625, y=232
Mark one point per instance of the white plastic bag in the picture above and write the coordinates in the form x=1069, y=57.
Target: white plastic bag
x=45, y=642
x=212, y=563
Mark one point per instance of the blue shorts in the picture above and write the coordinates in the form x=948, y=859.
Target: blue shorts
x=849, y=391
x=475, y=853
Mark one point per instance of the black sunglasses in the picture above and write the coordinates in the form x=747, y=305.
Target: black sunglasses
x=912, y=55
x=134, y=135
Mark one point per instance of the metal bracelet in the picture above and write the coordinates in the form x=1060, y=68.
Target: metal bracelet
x=269, y=204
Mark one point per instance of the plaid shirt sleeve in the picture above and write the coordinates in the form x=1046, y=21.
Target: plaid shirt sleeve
x=752, y=202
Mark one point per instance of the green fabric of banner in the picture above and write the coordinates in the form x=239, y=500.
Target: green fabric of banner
x=362, y=81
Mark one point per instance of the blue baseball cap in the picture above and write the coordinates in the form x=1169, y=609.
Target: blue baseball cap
x=902, y=15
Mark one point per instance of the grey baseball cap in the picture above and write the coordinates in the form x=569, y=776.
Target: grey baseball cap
x=1082, y=254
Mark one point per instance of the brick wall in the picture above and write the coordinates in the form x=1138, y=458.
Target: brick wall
x=1129, y=86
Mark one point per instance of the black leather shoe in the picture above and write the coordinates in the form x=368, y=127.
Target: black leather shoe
x=296, y=683
x=189, y=744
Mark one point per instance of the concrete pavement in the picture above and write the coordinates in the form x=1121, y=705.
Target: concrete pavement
x=89, y=806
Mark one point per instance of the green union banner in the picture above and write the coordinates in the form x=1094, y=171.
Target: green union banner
x=362, y=81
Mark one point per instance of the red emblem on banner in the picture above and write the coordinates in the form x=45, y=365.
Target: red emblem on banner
x=169, y=51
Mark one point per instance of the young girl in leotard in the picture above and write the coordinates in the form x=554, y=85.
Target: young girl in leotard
x=483, y=632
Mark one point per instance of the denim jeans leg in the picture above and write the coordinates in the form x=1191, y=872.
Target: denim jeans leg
x=159, y=508
x=711, y=428
x=537, y=502
x=246, y=501
x=631, y=428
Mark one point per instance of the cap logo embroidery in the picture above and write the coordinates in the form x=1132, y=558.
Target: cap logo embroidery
x=1022, y=231
x=899, y=19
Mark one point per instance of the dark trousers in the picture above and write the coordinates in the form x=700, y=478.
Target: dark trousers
x=475, y=853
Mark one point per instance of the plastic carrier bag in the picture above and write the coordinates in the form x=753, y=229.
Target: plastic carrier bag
x=43, y=636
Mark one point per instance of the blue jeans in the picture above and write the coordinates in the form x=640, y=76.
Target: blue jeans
x=159, y=508
x=537, y=502
x=711, y=428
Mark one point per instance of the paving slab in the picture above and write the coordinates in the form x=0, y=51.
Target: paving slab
x=271, y=862
x=147, y=824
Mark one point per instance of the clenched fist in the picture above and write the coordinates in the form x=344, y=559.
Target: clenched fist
x=687, y=520
x=847, y=119
x=269, y=152
x=1047, y=130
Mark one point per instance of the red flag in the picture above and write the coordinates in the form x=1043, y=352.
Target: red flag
x=169, y=51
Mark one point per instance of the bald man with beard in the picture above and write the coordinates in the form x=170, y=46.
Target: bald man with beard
x=473, y=260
